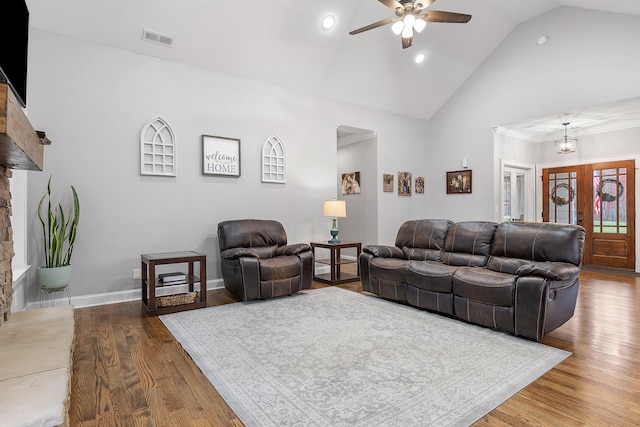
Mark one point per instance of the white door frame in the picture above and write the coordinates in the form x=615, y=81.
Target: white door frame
x=530, y=188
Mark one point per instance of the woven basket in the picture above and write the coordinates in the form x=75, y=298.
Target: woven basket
x=177, y=299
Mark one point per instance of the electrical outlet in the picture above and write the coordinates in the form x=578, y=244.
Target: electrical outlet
x=136, y=274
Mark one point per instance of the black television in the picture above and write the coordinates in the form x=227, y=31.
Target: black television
x=14, y=33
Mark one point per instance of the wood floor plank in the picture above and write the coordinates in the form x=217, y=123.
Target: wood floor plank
x=129, y=370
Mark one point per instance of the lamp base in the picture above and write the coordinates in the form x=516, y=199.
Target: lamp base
x=334, y=234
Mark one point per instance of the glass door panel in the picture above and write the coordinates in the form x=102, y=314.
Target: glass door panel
x=513, y=198
x=562, y=194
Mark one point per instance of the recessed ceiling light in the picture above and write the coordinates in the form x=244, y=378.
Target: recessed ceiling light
x=328, y=22
x=419, y=58
x=542, y=40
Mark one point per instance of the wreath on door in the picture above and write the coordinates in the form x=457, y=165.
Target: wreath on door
x=609, y=197
x=559, y=200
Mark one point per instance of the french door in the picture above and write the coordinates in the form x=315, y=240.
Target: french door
x=601, y=198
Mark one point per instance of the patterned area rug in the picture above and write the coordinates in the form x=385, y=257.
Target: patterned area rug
x=331, y=357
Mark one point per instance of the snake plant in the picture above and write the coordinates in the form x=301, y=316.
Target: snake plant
x=59, y=230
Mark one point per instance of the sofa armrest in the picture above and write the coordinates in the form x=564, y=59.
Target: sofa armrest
x=306, y=274
x=550, y=270
x=235, y=253
x=293, y=249
x=384, y=251
x=531, y=306
x=250, y=277
x=364, y=262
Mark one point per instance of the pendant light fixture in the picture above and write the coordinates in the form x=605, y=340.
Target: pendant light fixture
x=566, y=145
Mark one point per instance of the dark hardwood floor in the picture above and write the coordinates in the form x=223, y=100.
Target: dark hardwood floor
x=129, y=371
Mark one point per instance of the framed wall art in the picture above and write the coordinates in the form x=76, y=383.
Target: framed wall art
x=157, y=148
x=387, y=182
x=220, y=156
x=351, y=183
x=420, y=185
x=459, y=182
x=404, y=183
x=274, y=161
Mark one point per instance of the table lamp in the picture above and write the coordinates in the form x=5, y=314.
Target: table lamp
x=335, y=209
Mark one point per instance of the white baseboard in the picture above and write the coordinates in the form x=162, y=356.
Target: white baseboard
x=105, y=298
x=60, y=298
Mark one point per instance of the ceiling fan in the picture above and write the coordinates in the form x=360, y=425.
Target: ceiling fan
x=411, y=17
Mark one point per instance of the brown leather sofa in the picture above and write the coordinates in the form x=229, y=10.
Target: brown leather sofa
x=516, y=277
x=257, y=262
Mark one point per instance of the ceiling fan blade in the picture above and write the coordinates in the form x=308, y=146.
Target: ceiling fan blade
x=374, y=25
x=450, y=17
x=407, y=42
x=391, y=4
x=422, y=4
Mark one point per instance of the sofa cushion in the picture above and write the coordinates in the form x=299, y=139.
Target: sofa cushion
x=249, y=233
x=424, y=234
x=421, y=254
x=538, y=242
x=389, y=269
x=279, y=287
x=441, y=302
x=430, y=275
x=486, y=286
x=282, y=267
x=468, y=243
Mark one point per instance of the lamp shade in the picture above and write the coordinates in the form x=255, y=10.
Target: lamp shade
x=335, y=208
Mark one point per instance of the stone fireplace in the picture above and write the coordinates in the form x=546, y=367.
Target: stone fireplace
x=6, y=246
x=20, y=148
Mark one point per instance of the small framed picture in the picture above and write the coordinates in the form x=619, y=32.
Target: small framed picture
x=351, y=183
x=459, y=182
x=420, y=185
x=220, y=156
x=387, y=183
x=404, y=184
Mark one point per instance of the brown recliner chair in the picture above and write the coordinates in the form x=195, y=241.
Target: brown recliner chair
x=257, y=262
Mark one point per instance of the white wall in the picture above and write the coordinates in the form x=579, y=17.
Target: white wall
x=591, y=59
x=19, y=266
x=361, y=223
x=18, y=188
x=93, y=101
x=593, y=148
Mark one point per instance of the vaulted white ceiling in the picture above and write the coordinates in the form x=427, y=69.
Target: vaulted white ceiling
x=281, y=42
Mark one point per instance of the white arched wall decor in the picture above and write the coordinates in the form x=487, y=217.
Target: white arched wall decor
x=157, y=148
x=274, y=161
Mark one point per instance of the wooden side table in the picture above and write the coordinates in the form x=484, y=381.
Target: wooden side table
x=336, y=277
x=148, y=280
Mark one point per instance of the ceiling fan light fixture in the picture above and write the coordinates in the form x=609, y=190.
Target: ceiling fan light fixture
x=397, y=27
x=409, y=20
x=419, y=25
x=412, y=17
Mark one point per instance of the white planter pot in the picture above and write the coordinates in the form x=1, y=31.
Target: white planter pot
x=54, y=277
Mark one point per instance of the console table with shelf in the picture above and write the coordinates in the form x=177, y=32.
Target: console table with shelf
x=335, y=261
x=149, y=280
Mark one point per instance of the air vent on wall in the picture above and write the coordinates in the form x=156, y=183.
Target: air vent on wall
x=158, y=38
